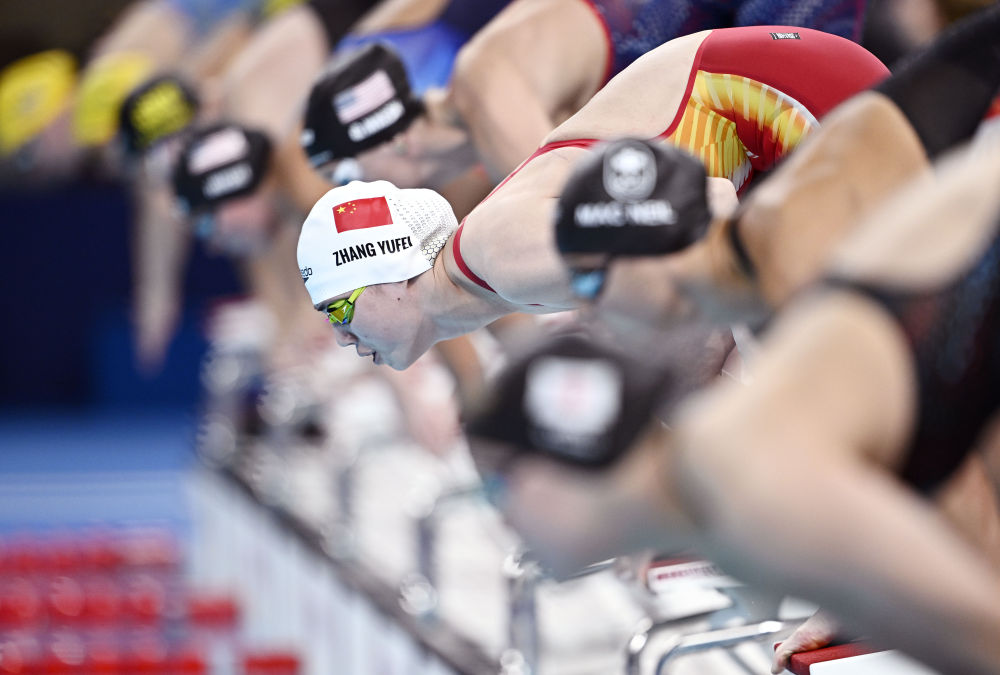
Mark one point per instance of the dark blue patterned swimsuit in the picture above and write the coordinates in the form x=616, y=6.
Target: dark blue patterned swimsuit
x=954, y=337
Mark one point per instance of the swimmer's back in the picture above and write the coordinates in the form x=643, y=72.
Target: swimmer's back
x=642, y=100
x=738, y=98
x=944, y=295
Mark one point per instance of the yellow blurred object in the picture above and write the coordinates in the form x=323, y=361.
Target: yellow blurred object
x=33, y=91
x=162, y=110
x=272, y=8
x=102, y=90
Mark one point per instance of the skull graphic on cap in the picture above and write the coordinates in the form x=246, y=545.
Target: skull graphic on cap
x=630, y=172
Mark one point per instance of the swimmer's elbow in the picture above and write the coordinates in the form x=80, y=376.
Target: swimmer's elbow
x=477, y=78
x=467, y=82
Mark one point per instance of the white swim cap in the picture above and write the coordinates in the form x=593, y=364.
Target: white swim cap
x=362, y=234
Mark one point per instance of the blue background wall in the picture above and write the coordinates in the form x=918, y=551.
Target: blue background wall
x=65, y=276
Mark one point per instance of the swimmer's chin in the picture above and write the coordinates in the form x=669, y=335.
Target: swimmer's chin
x=379, y=360
x=396, y=363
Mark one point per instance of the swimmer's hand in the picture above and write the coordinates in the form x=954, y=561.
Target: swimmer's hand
x=156, y=315
x=722, y=199
x=817, y=631
x=429, y=409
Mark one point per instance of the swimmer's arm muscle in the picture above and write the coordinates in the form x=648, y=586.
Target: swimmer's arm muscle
x=265, y=85
x=533, y=65
x=804, y=497
x=508, y=241
x=851, y=539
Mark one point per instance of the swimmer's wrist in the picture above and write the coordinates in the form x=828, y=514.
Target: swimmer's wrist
x=737, y=261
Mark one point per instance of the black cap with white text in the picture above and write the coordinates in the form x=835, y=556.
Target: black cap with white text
x=219, y=163
x=363, y=100
x=633, y=198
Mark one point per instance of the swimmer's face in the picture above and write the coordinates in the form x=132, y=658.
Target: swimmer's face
x=387, y=326
x=427, y=154
x=393, y=162
x=243, y=226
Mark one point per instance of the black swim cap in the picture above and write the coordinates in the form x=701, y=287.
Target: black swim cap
x=219, y=163
x=633, y=198
x=360, y=102
x=161, y=107
x=572, y=399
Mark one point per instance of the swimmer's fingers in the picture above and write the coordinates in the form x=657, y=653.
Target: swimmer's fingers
x=722, y=199
x=156, y=319
x=817, y=631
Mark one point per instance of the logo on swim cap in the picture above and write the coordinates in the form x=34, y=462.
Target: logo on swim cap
x=576, y=398
x=361, y=99
x=381, y=119
x=632, y=198
x=160, y=108
x=572, y=403
x=630, y=173
x=219, y=163
x=228, y=181
x=359, y=214
x=306, y=272
x=363, y=234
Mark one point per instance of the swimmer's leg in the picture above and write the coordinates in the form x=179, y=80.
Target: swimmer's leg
x=945, y=90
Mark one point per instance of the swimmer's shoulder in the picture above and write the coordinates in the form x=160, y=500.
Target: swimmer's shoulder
x=508, y=240
x=899, y=244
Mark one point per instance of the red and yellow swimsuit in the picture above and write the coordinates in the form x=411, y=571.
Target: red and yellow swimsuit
x=752, y=95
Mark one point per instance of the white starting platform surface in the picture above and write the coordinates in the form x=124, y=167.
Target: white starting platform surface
x=855, y=659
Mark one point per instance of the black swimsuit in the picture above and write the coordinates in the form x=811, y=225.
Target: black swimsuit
x=954, y=336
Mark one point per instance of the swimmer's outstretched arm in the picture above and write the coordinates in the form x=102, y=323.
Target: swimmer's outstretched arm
x=161, y=241
x=876, y=556
x=968, y=501
x=299, y=182
x=266, y=83
x=944, y=90
x=531, y=67
x=790, y=223
x=209, y=58
x=153, y=27
x=804, y=497
x=868, y=147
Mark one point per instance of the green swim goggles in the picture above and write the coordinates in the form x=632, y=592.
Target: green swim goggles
x=340, y=312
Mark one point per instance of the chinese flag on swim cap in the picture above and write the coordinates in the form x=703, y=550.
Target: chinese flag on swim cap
x=358, y=214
